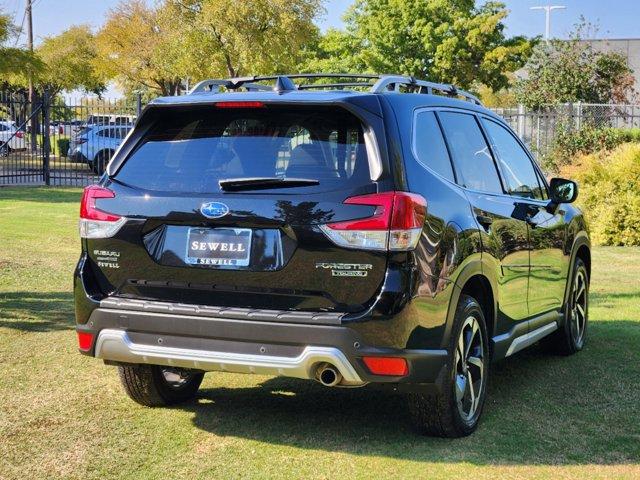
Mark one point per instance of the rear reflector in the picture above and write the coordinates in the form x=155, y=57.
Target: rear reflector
x=392, y=366
x=396, y=223
x=85, y=341
x=239, y=104
x=96, y=223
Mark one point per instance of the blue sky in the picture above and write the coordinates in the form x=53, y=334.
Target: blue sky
x=616, y=18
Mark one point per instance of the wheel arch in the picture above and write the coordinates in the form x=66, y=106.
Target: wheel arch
x=581, y=249
x=473, y=282
x=479, y=287
x=584, y=254
x=107, y=151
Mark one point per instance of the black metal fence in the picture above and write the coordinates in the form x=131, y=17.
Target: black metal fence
x=54, y=142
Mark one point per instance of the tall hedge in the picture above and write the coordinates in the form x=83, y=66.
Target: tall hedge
x=609, y=193
x=568, y=143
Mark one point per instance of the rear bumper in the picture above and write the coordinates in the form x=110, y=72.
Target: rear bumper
x=211, y=343
x=117, y=346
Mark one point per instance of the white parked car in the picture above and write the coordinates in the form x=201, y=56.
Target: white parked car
x=10, y=138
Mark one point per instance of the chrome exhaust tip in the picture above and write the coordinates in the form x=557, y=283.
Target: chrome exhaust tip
x=328, y=375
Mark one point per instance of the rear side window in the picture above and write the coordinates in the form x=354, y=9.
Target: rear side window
x=470, y=152
x=191, y=150
x=518, y=172
x=429, y=146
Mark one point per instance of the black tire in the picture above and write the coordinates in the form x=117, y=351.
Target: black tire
x=441, y=414
x=100, y=162
x=5, y=150
x=572, y=334
x=148, y=384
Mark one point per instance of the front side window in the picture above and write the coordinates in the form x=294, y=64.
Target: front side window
x=517, y=169
x=430, y=148
x=470, y=152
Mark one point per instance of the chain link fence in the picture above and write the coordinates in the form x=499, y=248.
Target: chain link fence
x=69, y=142
x=538, y=129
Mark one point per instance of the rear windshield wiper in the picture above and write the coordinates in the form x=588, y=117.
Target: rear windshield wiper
x=260, y=183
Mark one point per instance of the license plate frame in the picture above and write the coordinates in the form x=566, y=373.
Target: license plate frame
x=210, y=256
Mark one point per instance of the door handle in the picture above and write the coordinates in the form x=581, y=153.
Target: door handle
x=484, y=220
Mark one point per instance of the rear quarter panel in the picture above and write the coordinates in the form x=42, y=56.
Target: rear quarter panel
x=449, y=246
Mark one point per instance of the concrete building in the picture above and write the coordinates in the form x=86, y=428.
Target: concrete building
x=629, y=47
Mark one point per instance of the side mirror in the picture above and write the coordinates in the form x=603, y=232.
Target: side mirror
x=562, y=191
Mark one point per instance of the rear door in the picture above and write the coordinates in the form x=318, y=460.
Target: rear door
x=502, y=227
x=188, y=239
x=546, y=230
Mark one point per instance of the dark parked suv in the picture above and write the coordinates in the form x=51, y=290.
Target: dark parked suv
x=351, y=229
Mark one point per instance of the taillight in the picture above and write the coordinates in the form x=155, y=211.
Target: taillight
x=96, y=223
x=396, y=223
x=392, y=366
x=19, y=134
x=85, y=341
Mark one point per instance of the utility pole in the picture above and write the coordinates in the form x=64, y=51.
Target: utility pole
x=34, y=123
x=547, y=10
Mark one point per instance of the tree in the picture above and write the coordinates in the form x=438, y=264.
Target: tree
x=239, y=38
x=140, y=46
x=450, y=41
x=158, y=47
x=572, y=70
x=15, y=63
x=69, y=62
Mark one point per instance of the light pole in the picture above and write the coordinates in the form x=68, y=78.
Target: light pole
x=547, y=10
x=33, y=124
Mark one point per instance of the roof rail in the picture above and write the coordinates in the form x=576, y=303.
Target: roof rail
x=393, y=82
x=382, y=84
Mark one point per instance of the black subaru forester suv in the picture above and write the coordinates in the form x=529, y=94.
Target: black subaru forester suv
x=351, y=229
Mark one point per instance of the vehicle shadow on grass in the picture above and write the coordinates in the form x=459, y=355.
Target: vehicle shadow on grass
x=542, y=409
x=36, y=311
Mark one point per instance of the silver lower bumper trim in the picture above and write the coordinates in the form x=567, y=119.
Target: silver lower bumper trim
x=116, y=345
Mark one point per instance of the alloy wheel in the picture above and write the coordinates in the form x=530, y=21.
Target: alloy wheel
x=470, y=368
x=578, y=308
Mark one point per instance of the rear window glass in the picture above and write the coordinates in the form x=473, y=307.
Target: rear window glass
x=190, y=150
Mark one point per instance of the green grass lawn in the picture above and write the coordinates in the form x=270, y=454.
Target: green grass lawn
x=63, y=415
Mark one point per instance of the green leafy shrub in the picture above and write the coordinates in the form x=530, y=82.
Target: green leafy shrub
x=568, y=144
x=59, y=146
x=62, y=144
x=610, y=193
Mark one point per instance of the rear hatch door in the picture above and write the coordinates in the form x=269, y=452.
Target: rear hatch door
x=224, y=205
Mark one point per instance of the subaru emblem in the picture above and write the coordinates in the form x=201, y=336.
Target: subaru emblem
x=214, y=209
